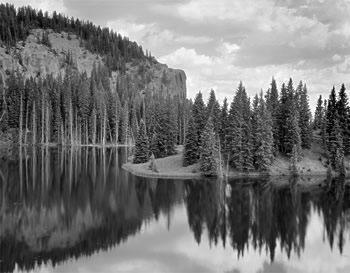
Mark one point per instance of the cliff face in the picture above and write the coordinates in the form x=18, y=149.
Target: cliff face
x=34, y=59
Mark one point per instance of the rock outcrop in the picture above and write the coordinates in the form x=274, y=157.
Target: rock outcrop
x=34, y=59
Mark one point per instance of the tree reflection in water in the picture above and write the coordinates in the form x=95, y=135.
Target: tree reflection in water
x=59, y=203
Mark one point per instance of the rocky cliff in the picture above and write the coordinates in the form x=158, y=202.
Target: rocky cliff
x=35, y=59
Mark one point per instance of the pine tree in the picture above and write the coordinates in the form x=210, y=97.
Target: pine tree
x=305, y=119
x=335, y=146
x=343, y=115
x=263, y=135
x=240, y=131
x=288, y=120
x=319, y=114
x=224, y=129
x=282, y=117
x=331, y=113
x=213, y=110
x=141, y=145
x=209, y=163
x=199, y=116
x=272, y=104
x=191, y=149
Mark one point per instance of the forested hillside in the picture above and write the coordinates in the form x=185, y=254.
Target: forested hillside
x=66, y=81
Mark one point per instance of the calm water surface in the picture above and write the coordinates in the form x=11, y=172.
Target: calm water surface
x=76, y=210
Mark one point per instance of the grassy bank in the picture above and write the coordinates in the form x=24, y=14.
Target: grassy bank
x=312, y=163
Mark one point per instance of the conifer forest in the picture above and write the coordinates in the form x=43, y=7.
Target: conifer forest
x=245, y=132
x=225, y=149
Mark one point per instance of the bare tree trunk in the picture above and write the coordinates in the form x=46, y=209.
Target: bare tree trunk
x=86, y=132
x=42, y=120
x=116, y=125
x=94, y=128
x=21, y=170
x=34, y=167
x=47, y=125
x=26, y=125
x=34, y=126
x=71, y=123
x=21, y=121
x=104, y=128
x=62, y=134
x=76, y=129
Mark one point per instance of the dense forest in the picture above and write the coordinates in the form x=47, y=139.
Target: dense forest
x=249, y=135
x=79, y=109
x=15, y=26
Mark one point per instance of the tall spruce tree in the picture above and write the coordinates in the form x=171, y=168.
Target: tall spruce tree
x=343, y=115
x=305, y=119
x=240, y=132
x=199, y=116
x=209, y=163
x=292, y=137
x=272, y=104
x=319, y=114
x=224, y=129
x=191, y=149
x=288, y=120
x=263, y=135
x=335, y=146
x=213, y=110
x=141, y=145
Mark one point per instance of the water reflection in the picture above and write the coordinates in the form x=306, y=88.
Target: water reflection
x=59, y=204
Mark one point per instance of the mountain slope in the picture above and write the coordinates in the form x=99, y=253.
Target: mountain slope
x=34, y=59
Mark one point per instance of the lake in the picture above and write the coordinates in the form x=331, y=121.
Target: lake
x=77, y=210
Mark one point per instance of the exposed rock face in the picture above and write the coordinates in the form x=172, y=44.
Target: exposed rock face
x=34, y=59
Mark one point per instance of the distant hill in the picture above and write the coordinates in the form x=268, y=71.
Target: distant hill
x=36, y=44
x=68, y=81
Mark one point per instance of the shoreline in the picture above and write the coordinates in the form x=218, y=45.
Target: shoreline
x=171, y=168
x=17, y=145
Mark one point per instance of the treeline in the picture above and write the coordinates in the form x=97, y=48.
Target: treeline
x=15, y=26
x=77, y=109
x=332, y=120
x=248, y=135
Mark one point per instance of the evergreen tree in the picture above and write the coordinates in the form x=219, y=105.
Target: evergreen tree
x=319, y=114
x=213, y=110
x=331, y=113
x=141, y=145
x=305, y=119
x=191, y=149
x=335, y=146
x=272, y=104
x=209, y=163
x=288, y=120
x=171, y=126
x=282, y=117
x=263, y=136
x=224, y=129
x=199, y=116
x=343, y=115
x=240, y=132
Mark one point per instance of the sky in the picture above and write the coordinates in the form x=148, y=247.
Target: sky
x=219, y=43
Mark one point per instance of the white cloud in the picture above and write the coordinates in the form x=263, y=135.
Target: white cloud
x=44, y=5
x=152, y=37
